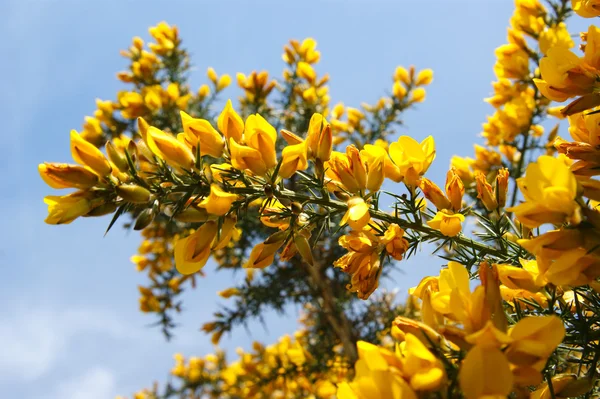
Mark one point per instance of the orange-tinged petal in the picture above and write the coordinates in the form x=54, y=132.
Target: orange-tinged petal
x=86, y=154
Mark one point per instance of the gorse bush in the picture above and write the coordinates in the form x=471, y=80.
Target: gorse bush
x=288, y=187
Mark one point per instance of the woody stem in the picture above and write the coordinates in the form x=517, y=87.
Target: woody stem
x=340, y=206
x=336, y=318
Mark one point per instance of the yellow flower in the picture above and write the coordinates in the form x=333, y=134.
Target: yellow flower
x=394, y=241
x=502, y=186
x=357, y=216
x=212, y=75
x=462, y=167
x=192, y=252
x=550, y=191
x=64, y=209
x=319, y=139
x=166, y=37
x=564, y=386
x=86, y=154
x=306, y=71
x=263, y=254
x=565, y=75
x=230, y=123
x=218, y=201
x=418, y=95
x=293, y=159
x=228, y=293
x=261, y=136
x=200, y=132
x=528, y=17
x=485, y=192
x=399, y=90
x=228, y=233
x=165, y=146
x=512, y=62
x=346, y=171
x=423, y=370
x=62, y=175
x=449, y=224
x=485, y=373
x=224, y=82
x=554, y=243
x=424, y=77
x=308, y=52
x=378, y=376
x=585, y=130
x=555, y=36
x=455, y=189
x=203, y=91
x=454, y=278
x=586, y=8
x=534, y=339
x=244, y=157
x=375, y=158
x=271, y=215
x=402, y=75
x=527, y=277
x=573, y=267
x=433, y=193
x=361, y=262
x=413, y=159
x=523, y=297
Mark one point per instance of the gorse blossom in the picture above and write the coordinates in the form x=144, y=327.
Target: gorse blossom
x=316, y=204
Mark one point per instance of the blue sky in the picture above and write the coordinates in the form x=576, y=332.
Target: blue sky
x=69, y=325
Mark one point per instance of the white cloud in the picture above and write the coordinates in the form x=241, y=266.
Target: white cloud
x=34, y=340
x=96, y=383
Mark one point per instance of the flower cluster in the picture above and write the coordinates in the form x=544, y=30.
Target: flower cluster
x=317, y=204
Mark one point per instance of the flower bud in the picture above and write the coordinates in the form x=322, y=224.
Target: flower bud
x=485, y=192
x=306, y=71
x=193, y=215
x=402, y=75
x=203, y=91
x=319, y=139
x=455, y=189
x=212, y=75
x=418, y=95
x=102, y=210
x=357, y=167
x=424, y=77
x=133, y=193
x=399, y=90
x=144, y=219
x=434, y=194
x=224, y=82
x=116, y=157
x=304, y=248
x=502, y=186
x=229, y=292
